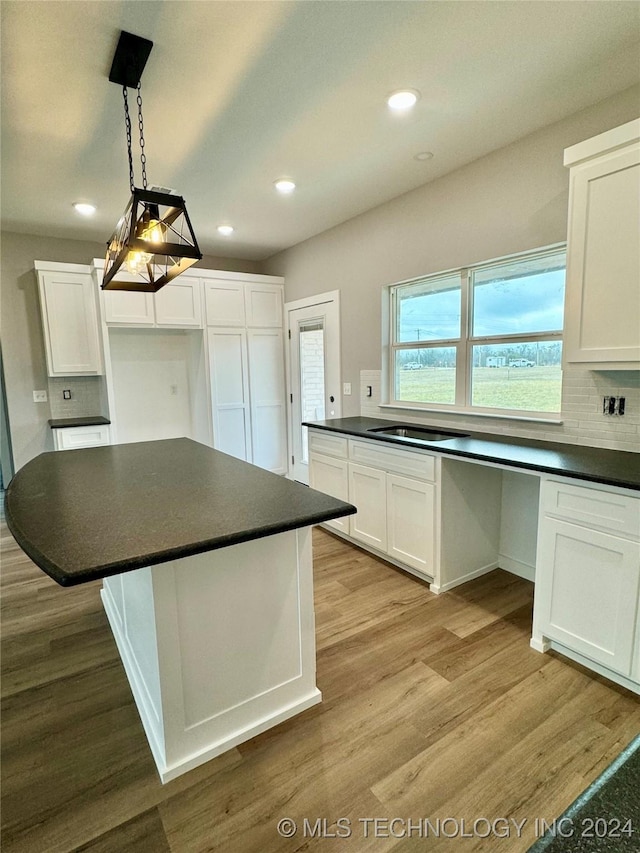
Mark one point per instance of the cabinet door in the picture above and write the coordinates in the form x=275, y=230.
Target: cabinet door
x=70, y=323
x=587, y=585
x=224, y=303
x=331, y=476
x=411, y=522
x=179, y=304
x=264, y=305
x=128, y=308
x=603, y=257
x=76, y=437
x=230, y=392
x=267, y=393
x=367, y=491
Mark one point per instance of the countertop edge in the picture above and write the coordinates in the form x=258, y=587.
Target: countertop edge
x=484, y=457
x=56, y=573
x=79, y=421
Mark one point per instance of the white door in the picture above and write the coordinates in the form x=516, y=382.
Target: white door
x=314, y=371
x=230, y=392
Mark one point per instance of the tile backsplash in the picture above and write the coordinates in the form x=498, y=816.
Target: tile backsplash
x=582, y=418
x=86, y=396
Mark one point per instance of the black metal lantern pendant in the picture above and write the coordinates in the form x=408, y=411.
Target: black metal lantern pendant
x=153, y=242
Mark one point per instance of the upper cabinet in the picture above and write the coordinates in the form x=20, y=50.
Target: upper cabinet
x=69, y=319
x=252, y=301
x=264, y=306
x=602, y=309
x=224, y=303
x=178, y=305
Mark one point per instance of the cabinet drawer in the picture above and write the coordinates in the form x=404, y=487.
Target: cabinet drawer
x=592, y=507
x=328, y=443
x=75, y=437
x=408, y=462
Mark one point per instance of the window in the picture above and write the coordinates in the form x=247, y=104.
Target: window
x=483, y=339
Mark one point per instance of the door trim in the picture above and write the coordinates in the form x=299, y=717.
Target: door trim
x=295, y=305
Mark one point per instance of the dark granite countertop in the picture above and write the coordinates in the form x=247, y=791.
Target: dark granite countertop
x=595, y=464
x=65, y=423
x=105, y=510
x=606, y=817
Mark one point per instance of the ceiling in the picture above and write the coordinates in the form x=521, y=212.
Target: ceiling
x=238, y=94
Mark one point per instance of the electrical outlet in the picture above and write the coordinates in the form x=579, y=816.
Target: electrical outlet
x=40, y=397
x=346, y=388
x=369, y=390
x=66, y=394
x=613, y=405
x=173, y=390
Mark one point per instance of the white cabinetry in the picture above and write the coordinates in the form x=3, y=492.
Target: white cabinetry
x=230, y=391
x=70, y=319
x=602, y=310
x=588, y=576
x=411, y=508
x=247, y=372
x=264, y=305
x=267, y=399
x=329, y=470
x=70, y=438
x=224, y=303
x=395, y=492
x=368, y=492
x=177, y=305
x=248, y=396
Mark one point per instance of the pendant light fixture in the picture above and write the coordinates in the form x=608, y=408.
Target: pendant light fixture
x=153, y=241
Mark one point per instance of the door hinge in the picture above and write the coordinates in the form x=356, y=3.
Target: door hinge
x=289, y=334
x=292, y=460
x=291, y=397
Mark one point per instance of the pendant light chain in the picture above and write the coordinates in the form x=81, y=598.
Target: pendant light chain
x=127, y=122
x=143, y=158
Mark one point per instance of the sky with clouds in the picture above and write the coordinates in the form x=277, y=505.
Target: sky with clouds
x=533, y=303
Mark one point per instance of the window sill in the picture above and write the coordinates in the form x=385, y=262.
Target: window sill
x=473, y=413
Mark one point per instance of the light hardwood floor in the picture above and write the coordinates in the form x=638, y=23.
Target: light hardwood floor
x=433, y=707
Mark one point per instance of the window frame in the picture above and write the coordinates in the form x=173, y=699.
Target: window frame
x=463, y=345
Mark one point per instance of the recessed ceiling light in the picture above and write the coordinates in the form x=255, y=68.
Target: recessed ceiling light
x=225, y=230
x=403, y=99
x=423, y=155
x=84, y=208
x=284, y=185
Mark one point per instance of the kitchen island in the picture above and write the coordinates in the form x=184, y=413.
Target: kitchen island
x=207, y=581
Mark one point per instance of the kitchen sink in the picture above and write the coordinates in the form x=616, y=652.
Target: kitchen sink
x=417, y=433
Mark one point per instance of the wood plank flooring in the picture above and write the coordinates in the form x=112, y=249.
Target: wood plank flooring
x=433, y=707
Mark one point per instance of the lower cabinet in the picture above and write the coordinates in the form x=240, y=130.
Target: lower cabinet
x=368, y=492
x=411, y=512
x=331, y=476
x=587, y=596
x=396, y=514
x=71, y=438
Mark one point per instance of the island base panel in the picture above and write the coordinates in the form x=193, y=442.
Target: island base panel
x=217, y=647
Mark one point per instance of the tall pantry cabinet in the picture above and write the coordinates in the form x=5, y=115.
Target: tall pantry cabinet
x=246, y=365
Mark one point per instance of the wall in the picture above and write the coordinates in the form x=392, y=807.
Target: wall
x=23, y=345
x=509, y=201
